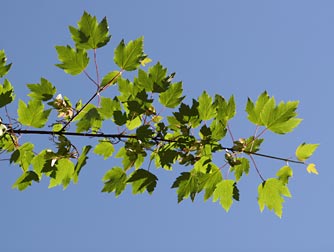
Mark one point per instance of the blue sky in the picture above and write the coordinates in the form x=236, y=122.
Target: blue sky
x=226, y=47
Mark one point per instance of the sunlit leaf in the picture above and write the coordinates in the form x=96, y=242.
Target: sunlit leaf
x=172, y=96
x=142, y=180
x=206, y=109
x=25, y=180
x=23, y=155
x=129, y=56
x=284, y=174
x=43, y=91
x=270, y=194
x=110, y=78
x=90, y=120
x=187, y=184
x=90, y=33
x=114, y=181
x=240, y=168
x=32, y=114
x=104, y=148
x=72, y=61
x=3, y=67
x=311, y=169
x=6, y=93
x=81, y=162
x=63, y=174
x=224, y=192
x=305, y=151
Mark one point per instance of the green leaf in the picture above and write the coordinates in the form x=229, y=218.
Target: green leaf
x=280, y=119
x=90, y=34
x=43, y=91
x=305, y=151
x=224, y=110
x=32, y=114
x=157, y=75
x=134, y=123
x=81, y=162
x=224, y=191
x=25, y=180
x=142, y=180
x=210, y=181
x=63, y=173
x=241, y=168
x=23, y=155
x=270, y=194
x=254, y=110
x=6, y=93
x=128, y=57
x=311, y=169
x=172, y=96
x=188, y=184
x=39, y=162
x=284, y=174
x=144, y=133
x=114, y=181
x=104, y=148
x=206, y=109
x=144, y=81
x=107, y=107
x=110, y=78
x=72, y=61
x=3, y=67
x=90, y=119
x=119, y=118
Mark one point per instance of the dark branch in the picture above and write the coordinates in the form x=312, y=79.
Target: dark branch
x=120, y=136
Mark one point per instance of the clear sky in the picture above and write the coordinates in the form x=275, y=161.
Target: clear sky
x=227, y=47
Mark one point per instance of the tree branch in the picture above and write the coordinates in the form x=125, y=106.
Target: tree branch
x=120, y=136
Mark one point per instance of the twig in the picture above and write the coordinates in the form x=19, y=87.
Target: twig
x=120, y=136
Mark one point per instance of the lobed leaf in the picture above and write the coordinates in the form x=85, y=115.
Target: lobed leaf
x=142, y=180
x=81, y=162
x=280, y=119
x=114, y=181
x=23, y=155
x=240, y=168
x=63, y=173
x=129, y=57
x=25, y=180
x=6, y=93
x=104, y=148
x=311, y=169
x=43, y=91
x=72, y=61
x=284, y=174
x=3, y=67
x=188, y=184
x=90, y=33
x=33, y=113
x=206, y=109
x=172, y=96
x=224, y=192
x=270, y=194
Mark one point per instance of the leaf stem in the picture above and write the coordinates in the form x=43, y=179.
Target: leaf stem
x=257, y=170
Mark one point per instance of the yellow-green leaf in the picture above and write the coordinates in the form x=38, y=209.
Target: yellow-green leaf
x=305, y=151
x=311, y=169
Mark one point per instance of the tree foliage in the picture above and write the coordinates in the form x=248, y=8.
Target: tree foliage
x=157, y=127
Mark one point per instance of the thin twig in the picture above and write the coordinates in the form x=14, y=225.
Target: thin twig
x=92, y=98
x=257, y=170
